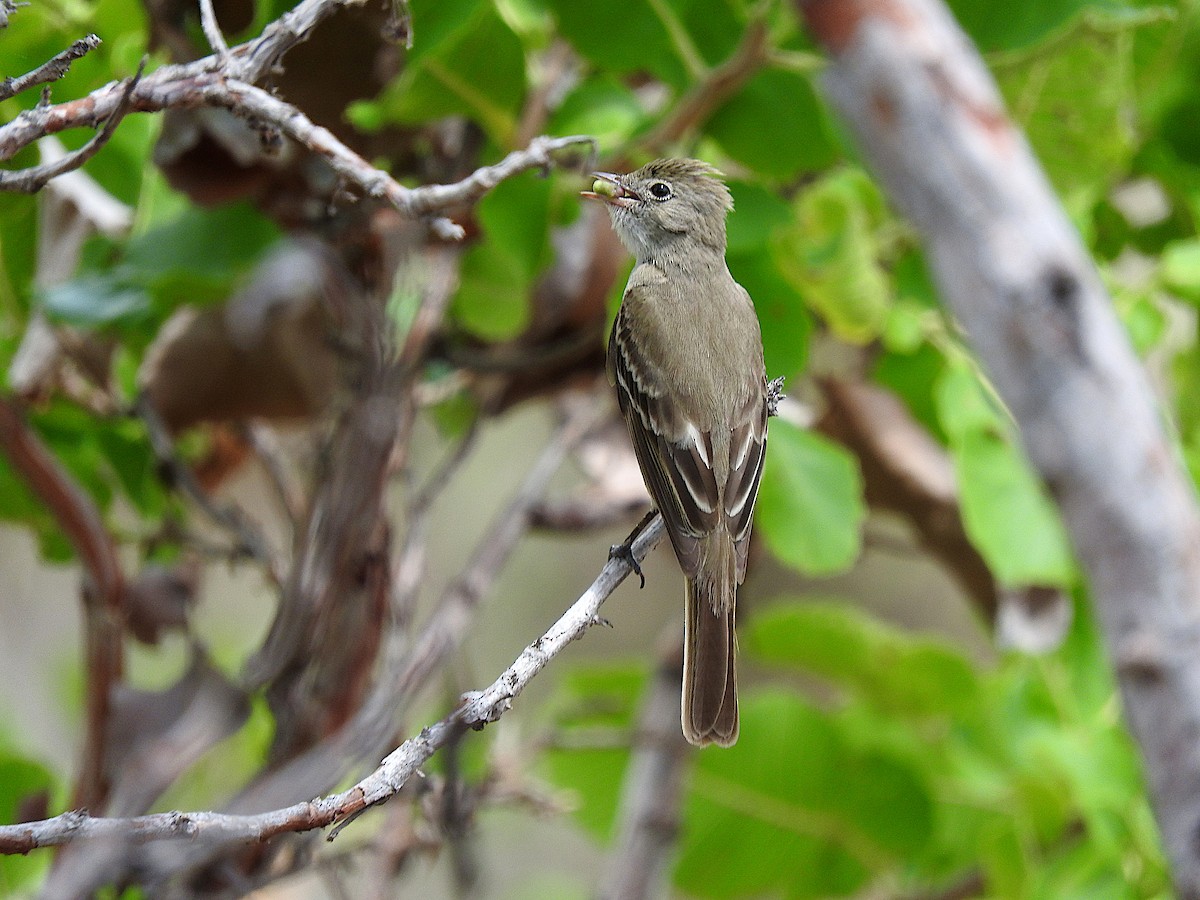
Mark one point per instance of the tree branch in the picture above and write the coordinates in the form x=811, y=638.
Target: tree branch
x=476, y=710
x=32, y=180
x=931, y=123
x=907, y=471
x=51, y=70
x=212, y=30
x=227, y=79
x=717, y=86
x=103, y=591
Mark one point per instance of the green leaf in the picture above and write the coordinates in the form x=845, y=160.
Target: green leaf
x=595, y=700
x=20, y=780
x=1179, y=268
x=1005, y=509
x=1024, y=22
x=1072, y=98
x=794, y=809
x=810, y=506
x=911, y=376
x=456, y=414
x=492, y=300
x=437, y=22
x=752, y=128
x=901, y=673
x=758, y=820
x=602, y=107
x=620, y=37
x=1007, y=514
x=784, y=319
x=126, y=448
x=18, y=253
x=516, y=218
x=97, y=299
x=758, y=214
x=212, y=245
x=475, y=70
x=194, y=257
x=831, y=255
x=499, y=272
x=1143, y=317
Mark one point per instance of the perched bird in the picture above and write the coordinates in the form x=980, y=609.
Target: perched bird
x=686, y=358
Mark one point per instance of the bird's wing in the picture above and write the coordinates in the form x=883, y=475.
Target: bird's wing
x=676, y=458
x=747, y=452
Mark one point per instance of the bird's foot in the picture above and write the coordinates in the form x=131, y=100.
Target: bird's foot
x=624, y=550
x=775, y=395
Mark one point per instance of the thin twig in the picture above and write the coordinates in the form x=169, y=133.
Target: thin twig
x=212, y=30
x=265, y=443
x=446, y=628
x=476, y=710
x=717, y=86
x=51, y=70
x=7, y=8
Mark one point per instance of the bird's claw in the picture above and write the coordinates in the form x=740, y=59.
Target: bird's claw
x=625, y=552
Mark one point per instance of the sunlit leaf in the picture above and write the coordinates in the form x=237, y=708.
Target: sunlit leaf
x=1005, y=509
x=21, y=781
x=477, y=70
x=832, y=258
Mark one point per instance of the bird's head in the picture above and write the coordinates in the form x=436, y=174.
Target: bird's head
x=667, y=208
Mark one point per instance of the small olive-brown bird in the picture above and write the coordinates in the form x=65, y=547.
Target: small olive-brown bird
x=686, y=358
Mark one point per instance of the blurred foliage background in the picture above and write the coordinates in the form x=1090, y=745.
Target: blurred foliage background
x=874, y=761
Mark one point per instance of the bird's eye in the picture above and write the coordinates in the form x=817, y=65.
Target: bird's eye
x=660, y=190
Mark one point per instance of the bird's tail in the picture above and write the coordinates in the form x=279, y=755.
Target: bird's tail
x=710, y=710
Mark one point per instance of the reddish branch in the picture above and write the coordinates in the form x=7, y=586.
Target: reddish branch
x=32, y=180
x=103, y=590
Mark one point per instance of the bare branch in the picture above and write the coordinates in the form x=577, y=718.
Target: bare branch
x=1008, y=262
x=32, y=180
x=907, y=471
x=447, y=626
x=475, y=711
x=227, y=80
x=51, y=70
x=7, y=8
x=212, y=30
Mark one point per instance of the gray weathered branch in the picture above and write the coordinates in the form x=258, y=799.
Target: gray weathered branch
x=51, y=70
x=931, y=123
x=227, y=79
x=475, y=710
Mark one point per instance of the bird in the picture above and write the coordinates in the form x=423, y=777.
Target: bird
x=685, y=356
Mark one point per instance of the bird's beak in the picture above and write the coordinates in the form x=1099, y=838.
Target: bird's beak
x=608, y=189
